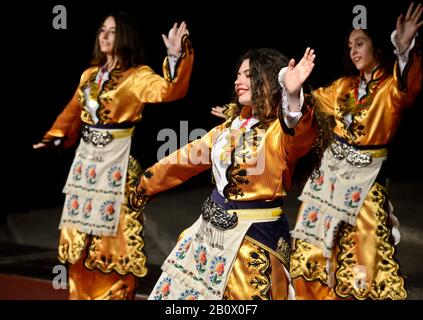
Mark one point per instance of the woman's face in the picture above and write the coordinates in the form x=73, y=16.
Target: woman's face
x=361, y=51
x=107, y=34
x=243, y=84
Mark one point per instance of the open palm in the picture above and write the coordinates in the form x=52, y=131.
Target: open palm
x=408, y=25
x=296, y=75
x=173, y=41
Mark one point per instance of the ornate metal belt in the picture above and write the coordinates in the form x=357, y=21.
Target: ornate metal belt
x=350, y=154
x=96, y=137
x=101, y=138
x=217, y=216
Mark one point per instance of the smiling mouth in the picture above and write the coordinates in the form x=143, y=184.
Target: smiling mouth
x=240, y=92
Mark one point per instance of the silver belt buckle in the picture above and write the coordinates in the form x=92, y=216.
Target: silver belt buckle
x=352, y=156
x=217, y=216
x=97, y=138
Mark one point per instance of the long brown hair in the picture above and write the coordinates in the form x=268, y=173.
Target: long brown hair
x=265, y=64
x=382, y=52
x=127, y=48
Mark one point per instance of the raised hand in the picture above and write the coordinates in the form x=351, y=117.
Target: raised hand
x=173, y=41
x=218, y=112
x=408, y=25
x=296, y=75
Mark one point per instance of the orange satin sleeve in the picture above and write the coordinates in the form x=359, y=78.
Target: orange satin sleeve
x=149, y=87
x=296, y=146
x=405, y=88
x=326, y=97
x=68, y=123
x=178, y=167
x=305, y=133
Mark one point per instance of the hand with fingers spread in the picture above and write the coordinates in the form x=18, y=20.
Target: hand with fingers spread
x=173, y=41
x=408, y=25
x=219, y=112
x=296, y=75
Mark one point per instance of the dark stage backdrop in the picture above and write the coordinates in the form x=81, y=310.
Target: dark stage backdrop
x=43, y=65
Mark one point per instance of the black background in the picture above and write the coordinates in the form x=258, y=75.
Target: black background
x=42, y=68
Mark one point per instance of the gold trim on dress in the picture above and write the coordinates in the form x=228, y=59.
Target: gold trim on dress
x=123, y=253
x=250, y=277
x=282, y=252
x=362, y=271
x=387, y=284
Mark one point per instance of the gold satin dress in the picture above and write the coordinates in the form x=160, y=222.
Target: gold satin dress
x=105, y=267
x=258, y=271
x=363, y=259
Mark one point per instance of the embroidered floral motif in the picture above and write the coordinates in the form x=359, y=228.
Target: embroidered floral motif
x=183, y=248
x=104, y=98
x=128, y=256
x=115, y=176
x=316, y=184
x=189, y=294
x=86, y=210
x=332, y=186
x=91, y=174
x=353, y=197
x=235, y=177
x=77, y=171
x=217, y=268
x=284, y=249
x=73, y=205
x=242, y=150
x=310, y=216
x=327, y=223
x=232, y=139
x=352, y=110
x=200, y=256
x=107, y=211
x=246, y=150
x=162, y=289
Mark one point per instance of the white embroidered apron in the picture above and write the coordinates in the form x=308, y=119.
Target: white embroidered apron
x=95, y=187
x=336, y=195
x=199, y=265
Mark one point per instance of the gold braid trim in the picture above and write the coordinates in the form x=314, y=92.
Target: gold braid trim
x=123, y=253
x=282, y=252
x=72, y=252
x=261, y=262
x=387, y=283
x=135, y=260
x=304, y=266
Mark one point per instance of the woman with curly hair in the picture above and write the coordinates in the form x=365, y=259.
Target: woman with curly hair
x=239, y=247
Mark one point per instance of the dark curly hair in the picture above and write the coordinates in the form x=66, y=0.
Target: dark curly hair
x=265, y=64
